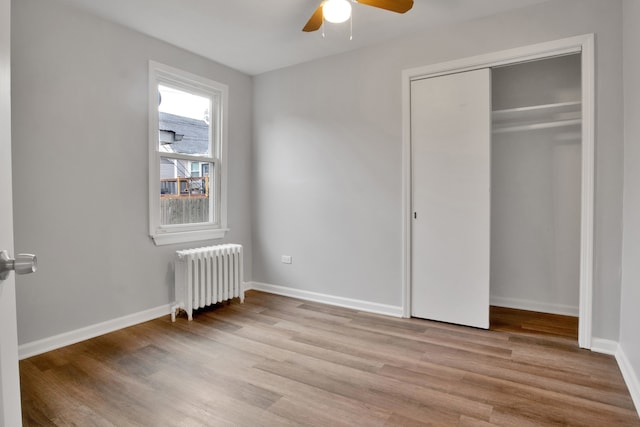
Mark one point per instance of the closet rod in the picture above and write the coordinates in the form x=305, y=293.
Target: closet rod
x=537, y=126
x=567, y=106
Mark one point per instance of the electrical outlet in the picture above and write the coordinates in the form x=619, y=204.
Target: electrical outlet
x=286, y=259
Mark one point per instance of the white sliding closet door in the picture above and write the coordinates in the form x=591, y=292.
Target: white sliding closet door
x=450, y=235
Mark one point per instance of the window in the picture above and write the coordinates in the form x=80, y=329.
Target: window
x=187, y=170
x=195, y=169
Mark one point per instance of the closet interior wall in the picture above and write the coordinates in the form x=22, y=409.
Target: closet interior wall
x=535, y=185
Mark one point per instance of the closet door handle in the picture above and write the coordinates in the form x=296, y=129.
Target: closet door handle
x=22, y=264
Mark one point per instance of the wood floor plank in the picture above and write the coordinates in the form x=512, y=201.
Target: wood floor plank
x=278, y=361
x=401, y=420
x=336, y=407
x=326, y=376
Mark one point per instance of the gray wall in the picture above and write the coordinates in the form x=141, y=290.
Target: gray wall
x=327, y=155
x=630, y=315
x=80, y=160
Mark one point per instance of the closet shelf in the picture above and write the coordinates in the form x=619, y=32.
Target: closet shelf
x=537, y=117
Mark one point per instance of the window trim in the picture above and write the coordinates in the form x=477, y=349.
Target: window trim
x=183, y=233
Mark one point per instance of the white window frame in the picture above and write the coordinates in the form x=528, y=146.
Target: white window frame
x=183, y=233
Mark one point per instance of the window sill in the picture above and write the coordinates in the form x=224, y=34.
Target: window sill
x=175, y=237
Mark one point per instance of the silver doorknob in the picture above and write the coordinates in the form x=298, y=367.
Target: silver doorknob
x=22, y=264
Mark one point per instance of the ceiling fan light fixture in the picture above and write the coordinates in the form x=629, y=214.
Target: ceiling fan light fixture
x=336, y=11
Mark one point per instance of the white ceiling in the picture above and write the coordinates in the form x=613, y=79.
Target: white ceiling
x=255, y=36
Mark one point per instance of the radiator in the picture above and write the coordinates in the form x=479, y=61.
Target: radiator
x=205, y=276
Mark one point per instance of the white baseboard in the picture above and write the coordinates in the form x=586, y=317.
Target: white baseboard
x=601, y=345
x=523, y=304
x=630, y=377
x=610, y=347
x=370, y=307
x=57, y=341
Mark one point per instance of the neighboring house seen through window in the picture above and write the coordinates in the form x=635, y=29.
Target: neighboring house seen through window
x=187, y=193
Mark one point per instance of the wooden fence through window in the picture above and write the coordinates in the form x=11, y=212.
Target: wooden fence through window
x=184, y=200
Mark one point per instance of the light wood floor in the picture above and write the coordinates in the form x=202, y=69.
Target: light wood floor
x=277, y=361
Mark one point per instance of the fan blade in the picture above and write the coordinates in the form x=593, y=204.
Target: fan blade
x=400, y=6
x=315, y=22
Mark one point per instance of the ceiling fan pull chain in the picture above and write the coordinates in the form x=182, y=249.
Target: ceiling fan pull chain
x=322, y=27
x=351, y=27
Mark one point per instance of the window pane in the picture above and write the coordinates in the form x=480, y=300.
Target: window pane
x=184, y=198
x=183, y=122
x=195, y=169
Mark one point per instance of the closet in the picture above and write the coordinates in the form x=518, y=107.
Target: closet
x=535, y=190
x=495, y=190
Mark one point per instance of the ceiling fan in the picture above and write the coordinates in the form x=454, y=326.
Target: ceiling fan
x=340, y=10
